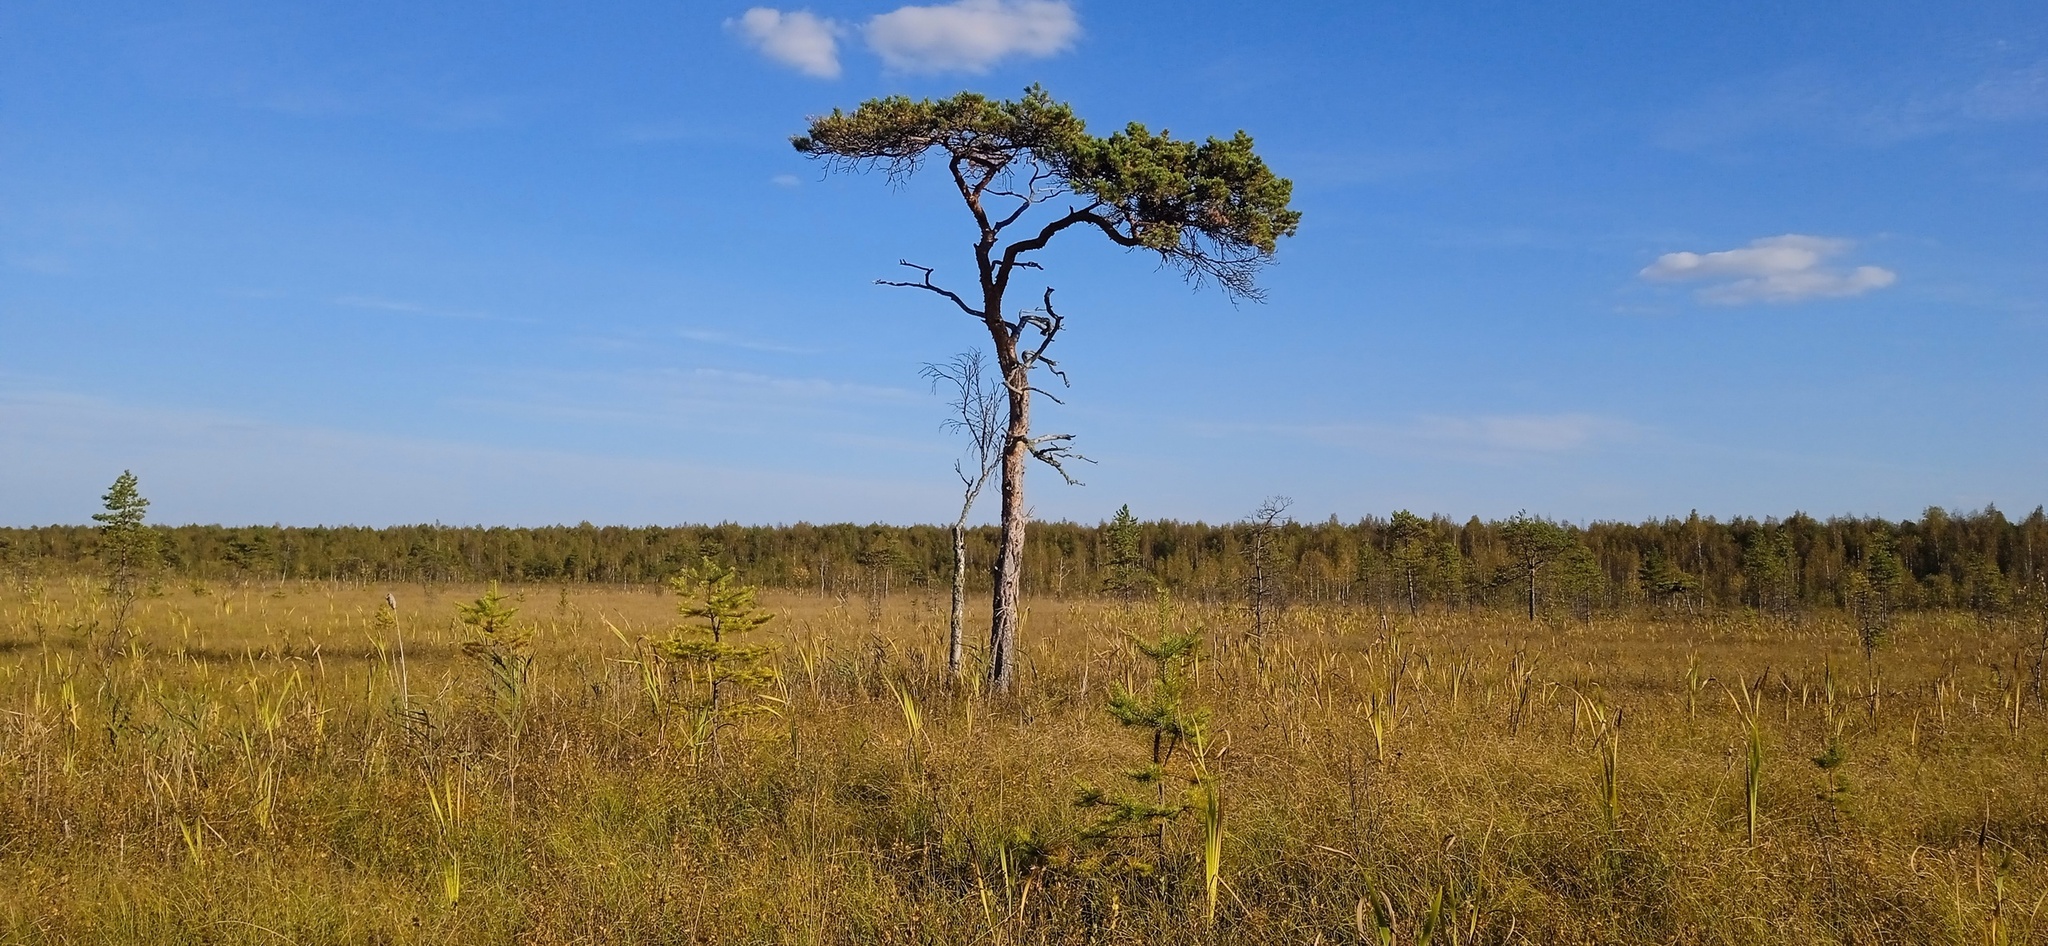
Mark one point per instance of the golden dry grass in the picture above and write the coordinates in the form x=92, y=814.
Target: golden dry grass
x=245, y=774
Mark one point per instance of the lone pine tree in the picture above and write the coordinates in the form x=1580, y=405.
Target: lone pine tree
x=1211, y=210
x=128, y=551
x=1532, y=543
x=1124, y=573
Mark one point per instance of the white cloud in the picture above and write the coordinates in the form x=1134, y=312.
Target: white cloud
x=1773, y=269
x=802, y=40
x=971, y=35
x=785, y=180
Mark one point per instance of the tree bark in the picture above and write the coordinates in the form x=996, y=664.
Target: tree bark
x=1009, y=567
x=959, y=616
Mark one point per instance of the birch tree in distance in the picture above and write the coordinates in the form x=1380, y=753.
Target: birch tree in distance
x=1211, y=210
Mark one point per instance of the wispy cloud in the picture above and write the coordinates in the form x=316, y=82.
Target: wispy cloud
x=696, y=399
x=1521, y=433
x=404, y=307
x=971, y=35
x=209, y=466
x=1772, y=269
x=379, y=304
x=805, y=389
x=695, y=130
x=45, y=264
x=1810, y=102
x=1494, y=438
x=800, y=39
x=729, y=340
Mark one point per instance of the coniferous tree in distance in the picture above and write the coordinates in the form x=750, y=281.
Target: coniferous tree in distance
x=1532, y=543
x=128, y=551
x=1411, y=550
x=1663, y=580
x=1124, y=573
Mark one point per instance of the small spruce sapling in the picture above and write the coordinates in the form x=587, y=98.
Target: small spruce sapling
x=719, y=607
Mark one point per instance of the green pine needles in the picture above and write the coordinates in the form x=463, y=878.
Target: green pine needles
x=503, y=646
x=129, y=553
x=718, y=607
x=1124, y=573
x=1177, y=731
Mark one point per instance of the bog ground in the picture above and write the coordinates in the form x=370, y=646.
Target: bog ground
x=259, y=767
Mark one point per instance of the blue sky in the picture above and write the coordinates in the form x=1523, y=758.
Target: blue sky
x=378, y=263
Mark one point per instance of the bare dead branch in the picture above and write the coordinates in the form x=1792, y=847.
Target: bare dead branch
x=927, y=285
x=1054, y=450
x=1048, y=322
x=977, y=411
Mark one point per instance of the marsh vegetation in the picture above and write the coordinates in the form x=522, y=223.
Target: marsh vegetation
x=267, y=762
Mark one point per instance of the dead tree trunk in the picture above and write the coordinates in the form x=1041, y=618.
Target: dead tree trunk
x=958, y=618
x=976, y=408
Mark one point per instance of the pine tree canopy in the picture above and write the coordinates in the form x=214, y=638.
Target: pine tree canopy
x=1212, y=209
x=124, y=506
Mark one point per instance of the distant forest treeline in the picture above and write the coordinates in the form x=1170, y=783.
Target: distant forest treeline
x=1979, y=560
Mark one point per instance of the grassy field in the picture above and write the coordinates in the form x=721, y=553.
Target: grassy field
x=260, y=766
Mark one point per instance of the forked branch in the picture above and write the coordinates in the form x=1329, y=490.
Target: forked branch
x=1047, y=321
x=1054, y=450
x=927, y=285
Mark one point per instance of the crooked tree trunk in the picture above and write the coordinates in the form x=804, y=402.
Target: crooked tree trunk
x=1009, y=567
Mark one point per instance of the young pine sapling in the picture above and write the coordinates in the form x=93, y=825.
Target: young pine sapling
x=128, y=551
x=503, y=646
x=719, y=607
x=1176, y=730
